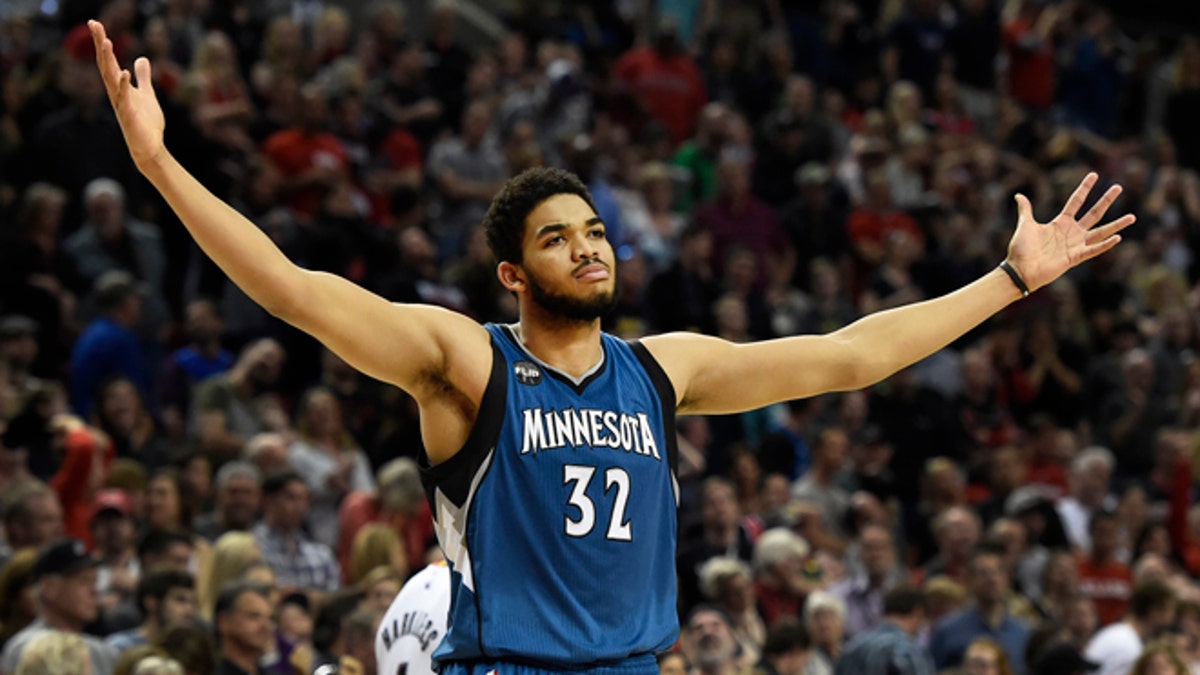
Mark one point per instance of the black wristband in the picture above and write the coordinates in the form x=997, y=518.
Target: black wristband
x=1016, y=278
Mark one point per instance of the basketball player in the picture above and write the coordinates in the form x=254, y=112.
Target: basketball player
x=550, y=444
x=414, y=624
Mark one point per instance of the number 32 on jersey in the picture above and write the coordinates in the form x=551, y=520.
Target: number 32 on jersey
x=616, y=481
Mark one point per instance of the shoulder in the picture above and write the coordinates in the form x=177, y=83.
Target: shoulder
x=955, y=622
x=81, y=238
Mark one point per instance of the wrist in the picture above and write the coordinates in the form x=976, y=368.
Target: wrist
x=1016, y=278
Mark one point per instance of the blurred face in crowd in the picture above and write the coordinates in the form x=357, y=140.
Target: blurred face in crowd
x=72, y=597
x=178, y=556
x=121, y=406
x=832, y=449
x=826, y=627
x=248, y=626
x=267, y=363
x=113, y=532
x=238, y=502
x=286, y=509
x=1008, y=470
x=878, y=551
x=1061, y=575
x=324, y=414
x=1106, y=537
x=776, y=492
x=977, y=370
x=163, y=503
x=476, y=121
x=1092, y=480
x=44, y=523
x=1010, y=533
x=981, y=659
x=719, y=507
x=380, y=595
x=734, y=176
x=202, y=322
x=107, y=212
x=737, y=594
x=19, y=350
x=1158, y=663
x=295, y=623
x=988, y=580
x=711, y=642
x=178, y=606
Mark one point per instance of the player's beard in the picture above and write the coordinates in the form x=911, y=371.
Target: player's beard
x=583, y=310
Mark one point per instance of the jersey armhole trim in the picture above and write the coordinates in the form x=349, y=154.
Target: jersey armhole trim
x=453, y=476
x=666, y=398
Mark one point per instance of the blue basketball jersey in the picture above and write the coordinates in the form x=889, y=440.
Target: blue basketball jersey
x=558, y=515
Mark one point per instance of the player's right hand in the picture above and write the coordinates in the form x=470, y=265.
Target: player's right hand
x=137, y=107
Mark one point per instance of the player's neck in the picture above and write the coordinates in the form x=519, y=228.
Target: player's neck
x=570, y=346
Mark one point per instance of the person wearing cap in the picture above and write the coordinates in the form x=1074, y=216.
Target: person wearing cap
x=1118, y=646
x=166, y=598
x=114, y=539
x=67, y=601
x=108, y=345
x=1062, y=659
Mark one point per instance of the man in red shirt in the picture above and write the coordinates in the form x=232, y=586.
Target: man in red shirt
x=1029, y=43
x=310, y=159
x=665, y=81
x=1102, y=577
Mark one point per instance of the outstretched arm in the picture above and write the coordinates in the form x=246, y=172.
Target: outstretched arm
x=714, y=376
x=407, y=345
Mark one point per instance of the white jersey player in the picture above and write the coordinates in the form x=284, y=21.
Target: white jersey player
x=415, y=624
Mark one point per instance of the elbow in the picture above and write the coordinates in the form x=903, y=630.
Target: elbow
x=288, y=300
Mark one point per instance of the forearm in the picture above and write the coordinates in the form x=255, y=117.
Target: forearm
x=894, y=339
x=235, y=244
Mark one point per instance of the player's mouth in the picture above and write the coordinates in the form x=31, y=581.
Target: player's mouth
x=594, y=271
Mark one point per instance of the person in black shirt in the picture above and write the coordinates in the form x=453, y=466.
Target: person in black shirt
x=242, y=620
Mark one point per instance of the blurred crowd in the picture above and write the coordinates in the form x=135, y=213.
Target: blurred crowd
x=183, y=475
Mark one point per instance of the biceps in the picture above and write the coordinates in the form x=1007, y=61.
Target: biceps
x=399, y=344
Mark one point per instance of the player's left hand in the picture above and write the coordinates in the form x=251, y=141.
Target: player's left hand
x=1042, y=253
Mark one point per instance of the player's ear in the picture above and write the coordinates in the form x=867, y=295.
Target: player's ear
x=512, y=277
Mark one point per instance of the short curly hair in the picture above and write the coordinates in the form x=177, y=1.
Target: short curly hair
x=504, y=223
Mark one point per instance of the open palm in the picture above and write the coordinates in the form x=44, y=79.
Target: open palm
x=1043, y=252
x=137, y=107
